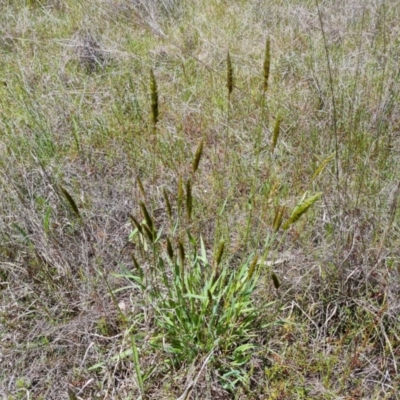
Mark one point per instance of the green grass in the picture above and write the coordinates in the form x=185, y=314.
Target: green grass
x=187, y=212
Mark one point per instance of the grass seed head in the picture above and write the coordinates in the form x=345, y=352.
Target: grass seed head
x=301, y=209
x=181, y=259
x=197, y=156
x=170, y=251
x=278, y=218
x=276, y=132
x=167, y=203
x=149, y=233
x=275, y=280
x=141, y=187
x=71, y=202
x=180, y=191
x=252, y=268
x=154, y=97
x=147, y=217
x=189, y=199
x=229, y=81
x=220, y=252
x=267, y=64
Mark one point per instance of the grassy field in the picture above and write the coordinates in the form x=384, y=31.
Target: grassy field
x=199, y=199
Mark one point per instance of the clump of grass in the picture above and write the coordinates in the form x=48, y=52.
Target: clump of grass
x=201, y=307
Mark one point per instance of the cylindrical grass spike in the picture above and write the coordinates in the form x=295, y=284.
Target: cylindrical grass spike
x=275, y=280
x=267, y=64
x=229, y=80
x=147, y=217
x=181, y=252
x=141, y=187
x=180, y=191
x=252, y=268
x=220, y=252
x=197, y=156
x=71, y=202
x=154, y=97
x=167, y=203
x=189, y=199
x=149, y=233
x=182, y=259
x=322, y=165
x=170, y=251
x=275, y=134
x=278, y=218
x=300, y=209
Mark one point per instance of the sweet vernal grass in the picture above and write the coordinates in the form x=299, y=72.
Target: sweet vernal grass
x=201, y=306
